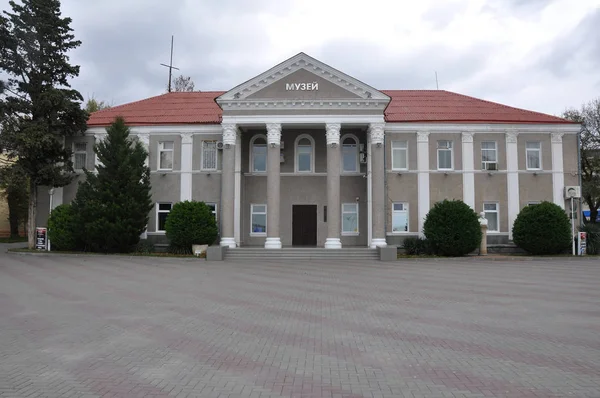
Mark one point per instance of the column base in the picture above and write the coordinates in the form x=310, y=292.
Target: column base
x=333, y=243
x=273, y=243
x=375, y=243
x=229, y=242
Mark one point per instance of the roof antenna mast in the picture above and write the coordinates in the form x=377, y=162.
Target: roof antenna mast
x=436, y=81
x=170, y=66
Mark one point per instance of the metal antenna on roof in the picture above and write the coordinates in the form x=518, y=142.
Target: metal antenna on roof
x=170, y=66
x=436, y=81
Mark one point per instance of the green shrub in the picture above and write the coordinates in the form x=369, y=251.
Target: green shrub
x=63, y=230
x=190, y=223
x=543, y=229
x=415, y=246
x=452, y=228
x=144, y=247
x=593, y=237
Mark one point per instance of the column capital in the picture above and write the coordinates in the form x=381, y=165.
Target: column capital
x=557, y=138
x=377, y=132
x=467, y=137
x=274, y=134
x=511, y=137
x=187, y=138
x=333, y=133
x=422, y=136
x=144, y=138
x=230, y=131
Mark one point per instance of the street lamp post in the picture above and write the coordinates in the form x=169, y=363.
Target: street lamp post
x=51, y=193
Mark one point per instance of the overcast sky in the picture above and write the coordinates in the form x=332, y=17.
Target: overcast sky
x=542, y=55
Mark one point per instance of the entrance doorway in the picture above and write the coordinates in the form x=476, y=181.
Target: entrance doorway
x=304, y=225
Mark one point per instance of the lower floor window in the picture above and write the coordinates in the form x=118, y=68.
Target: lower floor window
x=491, y=214
x=258, y=219
x=400, y=217
x=350, y=218
x=162, y=211
x=213, y=208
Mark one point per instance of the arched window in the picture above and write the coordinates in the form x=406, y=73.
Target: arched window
x=258, y=154
x=305, y=154
x=350, y=154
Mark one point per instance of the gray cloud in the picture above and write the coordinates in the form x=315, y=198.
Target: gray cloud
x=443, y=14
x=517, y=8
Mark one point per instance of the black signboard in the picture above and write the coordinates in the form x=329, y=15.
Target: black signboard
x=41, y=237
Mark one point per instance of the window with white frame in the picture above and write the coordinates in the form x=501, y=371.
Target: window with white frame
x=533, y=152
x=491, y=214
x=444, y=151
x=209, y=155
x=304, y=154
x=258, y=220
x=349, y=154
x=489, y=155
x=165, y=155
x=258, y=154
x=162, y=211
x=399, y=217
x=213, y=208
x=79, y=155
x=399, y=155
x=349, y=218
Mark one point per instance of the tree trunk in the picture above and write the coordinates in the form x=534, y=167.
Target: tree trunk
x=31, y=217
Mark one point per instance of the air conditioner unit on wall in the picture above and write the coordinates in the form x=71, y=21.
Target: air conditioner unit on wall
x=219, y=144
x=572, y=192
x=491, y=166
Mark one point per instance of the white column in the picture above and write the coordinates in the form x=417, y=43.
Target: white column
x=230, y=133
x=332, y=136
x=97, y=162
x=144, y=139
x=187, y=141
x=273, y=240
x=468, y=165
x=378, y=194
x=423, y=177
x=369, y=193
x=237, y=205
x=558, y=176
x=512, y=179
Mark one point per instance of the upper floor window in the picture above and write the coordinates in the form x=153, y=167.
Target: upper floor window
x=79, y=155
x=399, y=155
x=445, y=155
x=489, y=155
x=209, y=155
x=258, y=154
x=165, y=155
x=350, y=154
x=305, y=154
x=534, y=155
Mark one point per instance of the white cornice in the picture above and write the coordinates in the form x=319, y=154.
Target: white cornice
x=290, y=104
x=166, y=129
x=483, y=128
x=304, y=119
x=291, y=65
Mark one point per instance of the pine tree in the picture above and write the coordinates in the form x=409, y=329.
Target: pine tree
x=113, y=204
x=38, y=108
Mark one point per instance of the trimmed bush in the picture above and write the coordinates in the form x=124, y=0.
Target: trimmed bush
x=414, y=246
x=190, y=223
x=452, y=229
x=593, y=237
x=63, y=230
x=542, y=229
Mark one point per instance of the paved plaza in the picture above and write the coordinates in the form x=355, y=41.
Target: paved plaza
x=107, y=326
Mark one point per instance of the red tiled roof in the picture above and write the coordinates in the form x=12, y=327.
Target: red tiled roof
x=427, y=106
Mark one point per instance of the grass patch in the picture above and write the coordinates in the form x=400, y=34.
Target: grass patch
x=156, y=254
x=14, y=240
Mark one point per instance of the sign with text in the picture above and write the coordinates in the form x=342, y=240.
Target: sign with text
x=314, y=86
x=41, y=238
x=582, y=243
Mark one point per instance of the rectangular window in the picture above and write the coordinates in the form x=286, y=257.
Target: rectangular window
x=491, y=214
x=165, y=155
x=349, y=218
x=534, y=155
x=489, y=155
x=79, y=155
x=162, y=211
x=209, y=155
x=399, y=155
x=258, y=220
x=400, y=217
x=213, y=207
x=304, y=158
x=444, y=150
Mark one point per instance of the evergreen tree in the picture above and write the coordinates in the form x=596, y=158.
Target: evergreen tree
x=38, y=108
x=113, y=204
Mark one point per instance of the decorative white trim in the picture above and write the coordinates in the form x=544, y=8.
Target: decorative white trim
x=468, y=166
x=305, y=105
x=228, y=242
x=260, y=120
x=377, y=133
x=482, y=128
x=357, y=142
x=423, y=178
x=378, y=242
x=230, y=132
x=237, y=193
x=274, y=134
x=333, y=243
x=332, y=133
x=558, y=177
x=186, y=166
x=187, y=138
x=251, y=154
x=512, y=180
x=312, y=157
x=273, y=243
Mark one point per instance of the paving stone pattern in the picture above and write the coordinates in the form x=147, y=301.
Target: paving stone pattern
x=108, y=326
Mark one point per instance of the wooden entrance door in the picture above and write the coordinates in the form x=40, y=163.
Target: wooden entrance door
x=304, y=225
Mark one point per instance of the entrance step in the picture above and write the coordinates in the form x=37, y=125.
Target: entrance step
x=294, y=253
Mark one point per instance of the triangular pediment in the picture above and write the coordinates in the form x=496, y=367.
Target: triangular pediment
x=302, y=78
